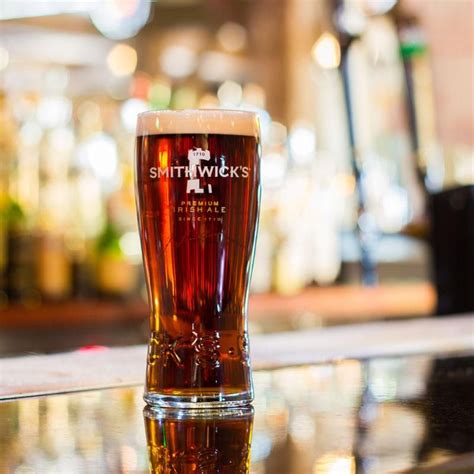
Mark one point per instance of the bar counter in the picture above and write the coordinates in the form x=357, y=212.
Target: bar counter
x=388, y=397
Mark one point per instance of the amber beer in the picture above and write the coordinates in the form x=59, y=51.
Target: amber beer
x=197, y=441
x=198, y=194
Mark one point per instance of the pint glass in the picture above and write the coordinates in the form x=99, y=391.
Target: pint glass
x=198, y=195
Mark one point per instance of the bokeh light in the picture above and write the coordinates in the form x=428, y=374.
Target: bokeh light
x=31, y=133
x=254, y=94
x=122, y=60
x=232, y=37
x=53, y=111
x=62, y=139
x=99, y=152
x=208, y=101
x=129, y=111
x=130, y=245
x=302, y=141
x=120, y=19
x=184, y=98
x=326, y=52
x=178, y=61
x=377, y=7
x=4, y=58
x=159, y=95
x=273, y=170
x=229, y=94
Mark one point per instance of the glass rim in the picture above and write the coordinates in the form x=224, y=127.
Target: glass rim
x=198, y=121
x=200, y=110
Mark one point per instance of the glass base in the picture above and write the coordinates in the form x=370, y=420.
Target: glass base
x=208, y=401
x=160, y=413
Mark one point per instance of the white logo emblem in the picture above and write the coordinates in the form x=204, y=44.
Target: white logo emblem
x=195, y=156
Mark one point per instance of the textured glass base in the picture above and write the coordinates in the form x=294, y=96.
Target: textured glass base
x=207, y=401
x=160, y=413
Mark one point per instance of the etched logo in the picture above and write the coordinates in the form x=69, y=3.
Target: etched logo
x=162, y=348
x=196, y=170
x=244, y=348
x=195, y=157
x=195, y=459
x=206, y=349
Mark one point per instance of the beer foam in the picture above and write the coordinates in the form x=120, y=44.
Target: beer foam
x=198, y=121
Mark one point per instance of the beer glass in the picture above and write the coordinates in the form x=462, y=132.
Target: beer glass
x=199, y=441
x=198, y=196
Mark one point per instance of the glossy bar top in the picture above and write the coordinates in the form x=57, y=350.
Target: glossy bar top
x=408, y=414
x=96, y=367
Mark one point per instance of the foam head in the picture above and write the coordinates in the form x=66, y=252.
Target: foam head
x=198, y=121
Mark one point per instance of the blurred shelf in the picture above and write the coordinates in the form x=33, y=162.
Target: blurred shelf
x=334, y=305
x=73, y=313
x=351, y=303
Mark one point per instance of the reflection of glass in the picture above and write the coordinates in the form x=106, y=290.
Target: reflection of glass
x=199, y=441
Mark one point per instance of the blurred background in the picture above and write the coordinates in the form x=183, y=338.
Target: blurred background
x=366, y=109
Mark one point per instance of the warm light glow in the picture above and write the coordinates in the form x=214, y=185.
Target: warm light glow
x=163, y=158
x=31, y=134
x=208, y=101
x=332, y=463
x=184, y=98
x=4, y=58
x=217, y=67
x=254, y=95
x=130, y=245
x=119, y=19
x=277, y=134
x=140, y=86
x=62, y=139
x=122, y=60
x=178, y=61
x=129, y=111
x=326, y=52
x=273, y=169
x=302, y=141
x=377, y=7
x=232, y=37
x=230, y=94
x=124, y=8
x=345, y=183
x=99, y=152
x=53, y=111
x=56, y=79
x=26, y=8
x=159, y=95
